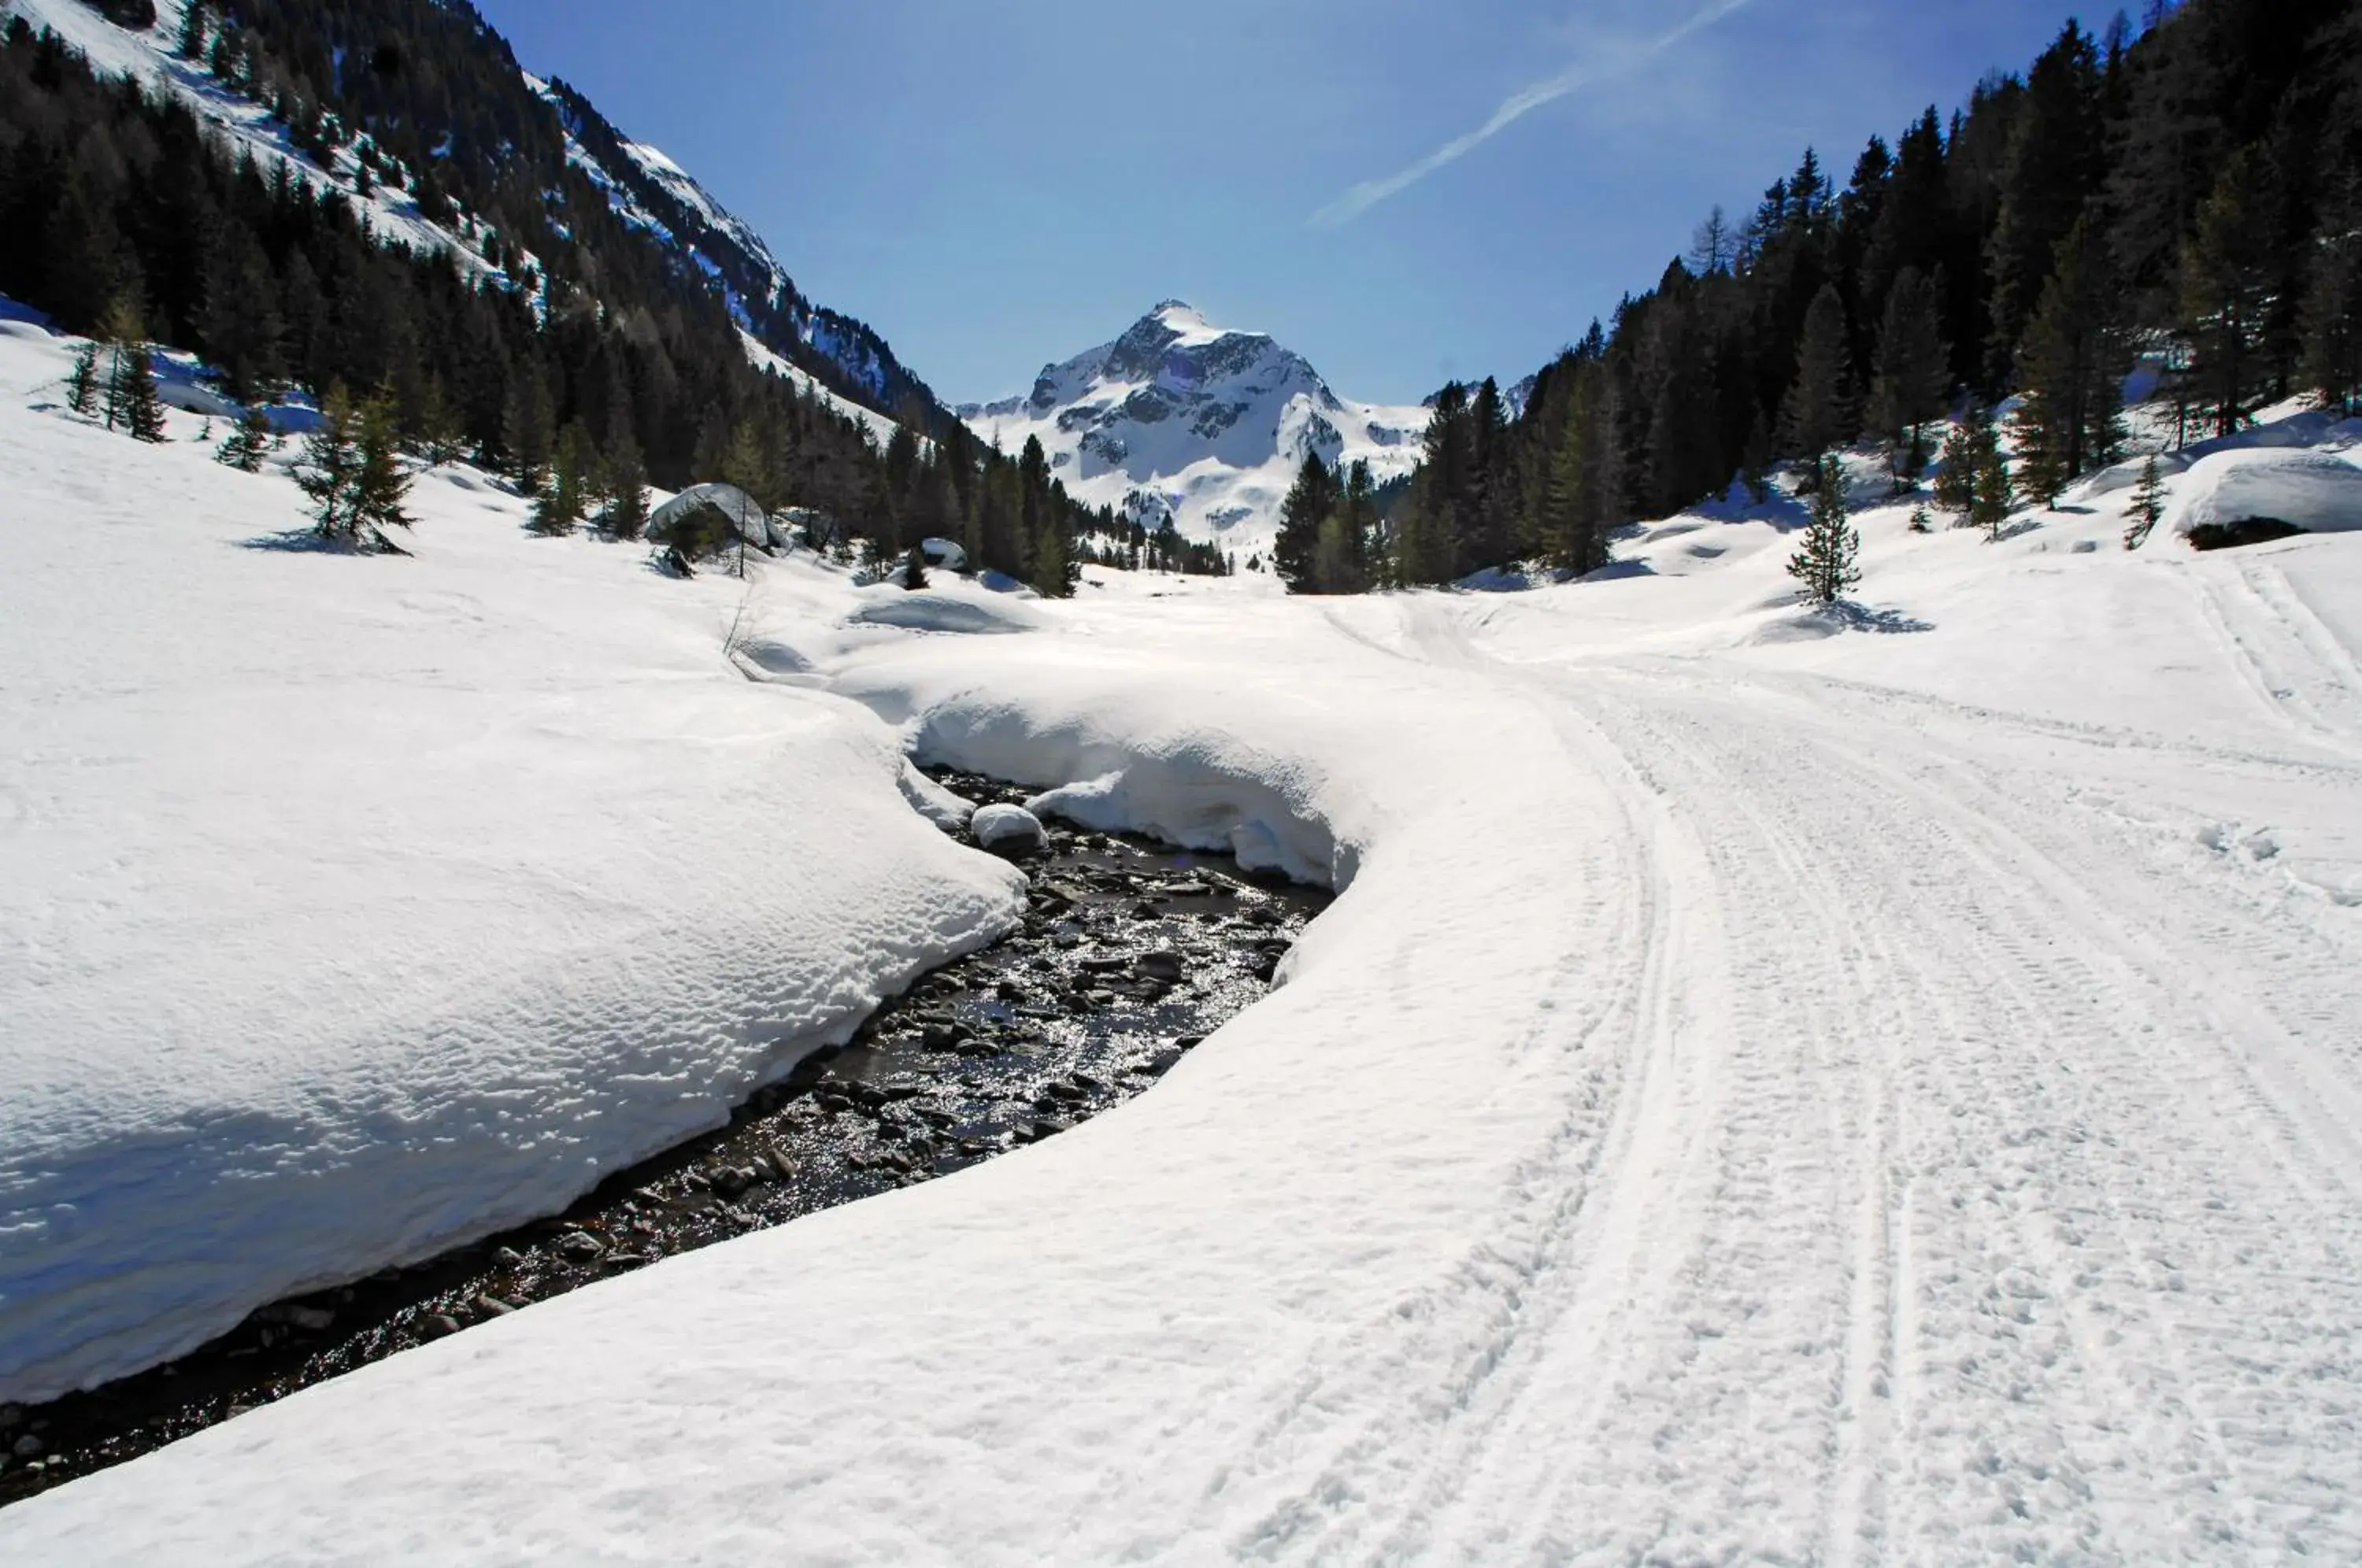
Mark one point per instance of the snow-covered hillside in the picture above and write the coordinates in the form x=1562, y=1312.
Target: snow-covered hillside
x=1209, y=425
x=645, y=188
x=1819, y=1088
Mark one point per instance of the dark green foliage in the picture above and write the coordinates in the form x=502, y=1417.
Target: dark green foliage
x=1914, y=379
x=1826, y=558
x=2210, y=164
x=249, y=440
x=625, y=482
x=81, y=383
x=914, y=569
x=1310, y=502
x=129, y=402
x=2073, y=362
x=2146, y=506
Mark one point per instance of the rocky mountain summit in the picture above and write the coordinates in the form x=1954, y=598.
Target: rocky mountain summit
x=1206, y=424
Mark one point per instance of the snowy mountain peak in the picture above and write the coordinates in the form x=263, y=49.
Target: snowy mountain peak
x=1179, y=417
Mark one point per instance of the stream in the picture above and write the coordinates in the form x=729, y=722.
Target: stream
x=1130, y=954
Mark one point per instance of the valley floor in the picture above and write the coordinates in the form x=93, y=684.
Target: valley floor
x=1768, y=1091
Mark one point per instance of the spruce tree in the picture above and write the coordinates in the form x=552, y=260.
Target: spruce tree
x=626, y=485
x=1994, y=496
x=81, y=383
x=192, y=44
x=1814, y=417
x=2146, y=506
x=330, y=462
x=1825, y=557
x=2331, y=323
x=1913, y=373
x=1956, y=480
x=526, y=420
x=244, y=447
x=380, y=484
x=562, y=499
x=1308, y=503
x=131, y=389
x=2070, y=418
x=2225, y=293
x=914, y=569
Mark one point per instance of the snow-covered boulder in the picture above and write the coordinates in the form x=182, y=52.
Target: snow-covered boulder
x=1008, y=829
x=931, y=800
x=923, y=611
x=709, y=510
x=2311, y=490
x=947, y=554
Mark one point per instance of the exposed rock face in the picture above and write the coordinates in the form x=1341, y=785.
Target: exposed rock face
x=1182, y=419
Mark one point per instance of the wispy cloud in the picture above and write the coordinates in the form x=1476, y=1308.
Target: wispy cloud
x=1515, y=108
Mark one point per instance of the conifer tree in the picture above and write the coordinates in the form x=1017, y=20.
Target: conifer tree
x=436, y=428
x=562, y=500
x=1308, y=503
x=2226, y=283
x=329, y=463
x=914, y=569
x=2070, y=418
x=1956, y=480
x=626, y=484
x=2146, y=506
x=380, y=484
x=2332, y=319
x=192, y=44
x=526, y=431
x=243, y=449
x=1994, y=496
x=1913, y=373
x=1814, y=417
x=81, y=383
x=1825, y=557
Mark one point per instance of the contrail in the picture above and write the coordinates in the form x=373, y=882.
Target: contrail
x=1515, y=108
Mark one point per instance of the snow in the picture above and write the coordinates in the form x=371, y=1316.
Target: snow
x=995, y=826
x=880, y=427
x=1201, y=423
x=2312, y=490
x=350, y=907
x=1883, y=1094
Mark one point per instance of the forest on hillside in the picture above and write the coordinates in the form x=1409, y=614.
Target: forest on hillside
x=581, y=347
x=2183, y=195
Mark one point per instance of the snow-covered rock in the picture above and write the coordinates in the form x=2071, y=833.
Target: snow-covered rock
x=1009, y=829
x=1179, y=417
x=2316, y=491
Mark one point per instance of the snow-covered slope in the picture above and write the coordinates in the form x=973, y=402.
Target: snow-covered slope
x=1209, y=425
x=786, y=330
x=1833, y=1090
x=349, y=906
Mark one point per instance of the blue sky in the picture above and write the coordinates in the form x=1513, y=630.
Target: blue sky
x=1404, y=191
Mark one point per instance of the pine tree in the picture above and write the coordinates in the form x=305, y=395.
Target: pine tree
x=1913, y=373
x=131, y=391
x=563, y=498
x=435, y=429
x=1995, y=497
x=82, y=383
x=526, y=428
x=1956, y=480
x=2147, y=504
x=2225, y=282
x=2332, y=319
x=1826, y=558
x=380, y=484
x=244, y=446
x=1921, y=523
x=192, y=44
x=2070, y=418
x=626, y=485
x=1814, y=417
x=914, y=569
x=2050, y=169
x=328, y=465
x=1308, y=503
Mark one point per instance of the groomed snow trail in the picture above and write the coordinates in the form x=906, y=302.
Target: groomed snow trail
x=1968, y=1199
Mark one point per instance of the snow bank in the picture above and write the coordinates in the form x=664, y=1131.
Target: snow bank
x=930, y=610
x=2307, y=490
x=350, y=908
